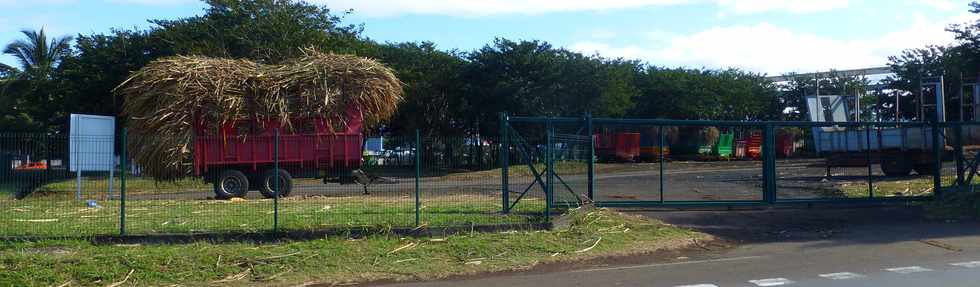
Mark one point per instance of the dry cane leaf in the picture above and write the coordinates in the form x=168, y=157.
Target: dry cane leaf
x=590, y=247
x=406, y=246
x=124, y=279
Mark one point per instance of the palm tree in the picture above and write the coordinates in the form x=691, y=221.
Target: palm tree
x=6, y=70
x=26, y=91
x=37, y=55
x=7, y=75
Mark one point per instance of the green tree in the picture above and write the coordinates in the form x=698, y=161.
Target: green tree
x=6, y=71
x=268, y=31
x=915, y=65
x=618, y=87
x=37, y=55
x=82, y=79
x=730, y=94
x=433, y=90
x=30, y=94
x=517, y=77
x=101, y=62
x=956, y=62
x=792, y=97
x=532, y=78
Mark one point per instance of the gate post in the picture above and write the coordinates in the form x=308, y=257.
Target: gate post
x=937, y=150
x=275, y=199
x=769, y=164
x=660, y=154
x=867, y=158
x=591, y=164
x=122, y=185
x=958, y=154
x=550, y=169
x=418, y=177
x=504, y=158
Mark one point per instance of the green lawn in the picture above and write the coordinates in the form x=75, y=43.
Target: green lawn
x=921, y=186
x=134, y=185
x=333, y=260
x=61, y=216
x=7, y=188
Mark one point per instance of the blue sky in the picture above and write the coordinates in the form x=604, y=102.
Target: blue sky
x=768, y=36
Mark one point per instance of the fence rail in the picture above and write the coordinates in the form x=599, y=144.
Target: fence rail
x=413, y=182
x=535, y=168
x=659, y=162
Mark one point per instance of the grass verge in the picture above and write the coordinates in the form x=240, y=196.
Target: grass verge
x=45, y=216
x=889, y=188
x=331, y=260
x=955, y=205
x=134, y=185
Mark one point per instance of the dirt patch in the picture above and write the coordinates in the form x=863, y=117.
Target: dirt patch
x=53, y=251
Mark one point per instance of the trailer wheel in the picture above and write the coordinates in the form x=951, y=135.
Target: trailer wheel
x=267, y=184
x=895, y=166
x=231, y=183
x=925, y=169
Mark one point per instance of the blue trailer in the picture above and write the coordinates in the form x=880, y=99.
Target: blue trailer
x=899, y=148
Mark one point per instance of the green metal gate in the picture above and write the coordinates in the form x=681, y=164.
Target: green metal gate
x=557, y=166
x=571, y=161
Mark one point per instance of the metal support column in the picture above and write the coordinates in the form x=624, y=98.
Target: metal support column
x=660, y=154
x=591, y=164
x=122, y=185
x=769, y=164
x=550, y=170
x=937, y=149
x=504, y=163
x=275, y=199
x=958, y=154
x=867, y=158
x=418, y=177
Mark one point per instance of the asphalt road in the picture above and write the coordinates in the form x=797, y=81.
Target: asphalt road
x=802, y=247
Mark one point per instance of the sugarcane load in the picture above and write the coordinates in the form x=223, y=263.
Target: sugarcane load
x=248, y=126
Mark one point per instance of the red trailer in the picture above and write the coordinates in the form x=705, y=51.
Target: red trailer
x=622, y=146
x=241, y=155
x=785, y=145
x=754, y=146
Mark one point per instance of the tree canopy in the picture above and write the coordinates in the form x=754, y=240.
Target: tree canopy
x=448, y=92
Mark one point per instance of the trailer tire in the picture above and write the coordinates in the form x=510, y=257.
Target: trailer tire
x=925, y=169
x=895, y=166
x=267, y=183
x=230, y=183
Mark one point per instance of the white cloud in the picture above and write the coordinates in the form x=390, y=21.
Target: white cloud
x=944, y=5
x=15, y=3
x=155, y=2
x=792, y=6
x=28, y=3
x=383, y=8
x=775, y=50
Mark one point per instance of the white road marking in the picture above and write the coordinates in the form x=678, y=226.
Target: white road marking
x=971, y=264
x=841, y=276
x=771, y=282
x=670, y=264
x=908, y=270
x=699, y=285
